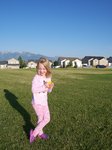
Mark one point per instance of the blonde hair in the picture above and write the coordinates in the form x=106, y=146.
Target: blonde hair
x=46, y=64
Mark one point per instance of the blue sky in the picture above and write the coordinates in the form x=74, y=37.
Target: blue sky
x=73, y=28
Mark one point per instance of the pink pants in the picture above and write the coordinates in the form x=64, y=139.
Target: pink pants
x=43, y=115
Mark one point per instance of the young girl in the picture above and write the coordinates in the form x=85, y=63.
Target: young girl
x=40, y=88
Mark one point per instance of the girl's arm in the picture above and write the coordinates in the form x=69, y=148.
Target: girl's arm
x=49, y=84
x=37, y=86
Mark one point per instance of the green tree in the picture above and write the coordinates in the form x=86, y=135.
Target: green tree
x=22, y=62
x=56, y=63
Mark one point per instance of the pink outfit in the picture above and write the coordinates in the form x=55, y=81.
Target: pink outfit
x=40, y=103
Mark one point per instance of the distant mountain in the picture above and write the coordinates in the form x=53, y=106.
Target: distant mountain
x=25, y=56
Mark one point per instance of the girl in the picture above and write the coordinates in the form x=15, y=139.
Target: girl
x=40, y=88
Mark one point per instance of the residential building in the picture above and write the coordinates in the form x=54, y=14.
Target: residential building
x=94, y=61
x=109, y=61
x=11, y=63
x=3, y=64
x=69, y=61
x=31, y=64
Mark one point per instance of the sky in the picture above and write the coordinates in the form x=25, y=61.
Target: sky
x=70, y=28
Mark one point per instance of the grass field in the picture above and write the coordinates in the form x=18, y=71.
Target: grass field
x=80, y=106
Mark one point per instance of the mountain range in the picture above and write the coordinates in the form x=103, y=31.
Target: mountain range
x=25, y=56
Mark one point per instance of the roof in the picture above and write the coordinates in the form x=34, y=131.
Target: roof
x=109, y=59
x=69, y=58
x=32, y=60
x=3, y=62
x=86, y=58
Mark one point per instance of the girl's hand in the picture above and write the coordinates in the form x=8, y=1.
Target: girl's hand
x=51, y=85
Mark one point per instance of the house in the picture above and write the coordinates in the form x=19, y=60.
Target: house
x=3, y=64
x=13, y=63
x=103, y=61
x=31, y=64
x=77, y=63
x=69, y=61
x=51, y=63
x=109, y=61
x=94, y=61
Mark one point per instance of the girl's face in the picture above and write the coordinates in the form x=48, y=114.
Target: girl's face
x=42, y=70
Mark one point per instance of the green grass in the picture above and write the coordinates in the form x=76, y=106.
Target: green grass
x=80, y=106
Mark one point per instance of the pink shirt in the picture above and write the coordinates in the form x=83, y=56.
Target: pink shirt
x=39, y=90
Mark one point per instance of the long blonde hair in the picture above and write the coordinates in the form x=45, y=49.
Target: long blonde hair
x=46, y=64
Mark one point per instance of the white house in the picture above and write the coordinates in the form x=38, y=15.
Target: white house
x=103, y=61
x=31, y=64
x=65, y=63
x=94, y=60
x=3, y=64
x=51, y=63
x=13, y=63
x=72, y=61
x=109, y=61
x=77, y=63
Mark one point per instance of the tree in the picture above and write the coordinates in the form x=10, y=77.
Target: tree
x=22, y=62
x=56, y=63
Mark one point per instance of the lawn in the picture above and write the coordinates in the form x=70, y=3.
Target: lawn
x=80, y=107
